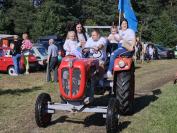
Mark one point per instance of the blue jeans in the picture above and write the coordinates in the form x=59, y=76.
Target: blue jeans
x=116, y=53
x=16, y=61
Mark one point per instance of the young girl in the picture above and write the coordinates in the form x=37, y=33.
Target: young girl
x=26, y=46
x=71, y=45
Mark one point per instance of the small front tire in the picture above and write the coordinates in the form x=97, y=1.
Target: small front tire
x=42, y=118
x=112, y=117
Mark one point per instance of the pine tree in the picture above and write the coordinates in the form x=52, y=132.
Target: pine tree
x=22, y=15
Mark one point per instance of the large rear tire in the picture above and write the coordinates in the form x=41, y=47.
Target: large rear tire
x=112, y=117
x=124, y=89
x=42, y=118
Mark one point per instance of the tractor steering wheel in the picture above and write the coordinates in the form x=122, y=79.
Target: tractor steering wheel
x=91, y=52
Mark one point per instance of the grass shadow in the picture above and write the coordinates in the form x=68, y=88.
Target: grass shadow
x=61, y=119
x=123, y=125
x=94, y=119
x=137, y=67
x=144, y=101
x=97, y=119
x=18, y=91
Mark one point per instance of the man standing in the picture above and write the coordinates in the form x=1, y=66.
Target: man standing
x=52, y=61
x=16, y=54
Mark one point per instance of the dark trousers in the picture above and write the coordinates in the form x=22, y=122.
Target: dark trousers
x=16, y=61
x=52, y=66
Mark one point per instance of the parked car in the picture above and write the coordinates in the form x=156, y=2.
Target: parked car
x=5, y=40
x=6, y=61
x=164, y=53
x=59, y=42
x=41, y=54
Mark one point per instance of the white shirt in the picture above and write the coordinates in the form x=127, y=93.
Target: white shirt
x=151, y=50
x=70, y=46
x=81, y=36
x=113, y=38
x=128, y=35
x=102, y=41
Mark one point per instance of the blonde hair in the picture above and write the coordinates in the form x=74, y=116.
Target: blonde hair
x=70, y=33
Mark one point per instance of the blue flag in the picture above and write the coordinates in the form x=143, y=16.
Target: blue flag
x=126, y=8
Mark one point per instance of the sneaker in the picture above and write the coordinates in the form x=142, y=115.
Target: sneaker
x=26, y=73
x=109, y=75
x=15, y=74
x=88, y=100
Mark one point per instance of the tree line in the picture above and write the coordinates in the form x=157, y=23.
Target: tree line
x=157, y=19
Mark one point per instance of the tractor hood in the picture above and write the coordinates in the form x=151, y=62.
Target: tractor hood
x=73, y=74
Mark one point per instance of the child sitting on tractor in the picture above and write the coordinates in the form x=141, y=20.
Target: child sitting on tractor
x=113, y=39
x=71, y=45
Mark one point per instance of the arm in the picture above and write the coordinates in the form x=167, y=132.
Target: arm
x=49, y=54
x=117, y=37
x=66, y=46
x=129, y=45
x=102, y=43
x=110, y=37
x=130, y=42
x=29, y=44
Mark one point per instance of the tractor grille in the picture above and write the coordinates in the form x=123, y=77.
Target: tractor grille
x=65, y=80
x=76, y=79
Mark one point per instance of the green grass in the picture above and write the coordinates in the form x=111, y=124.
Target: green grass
x=160, y=116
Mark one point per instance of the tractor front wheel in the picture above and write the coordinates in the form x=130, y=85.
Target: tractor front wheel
x=42, y=117
x=112, y=116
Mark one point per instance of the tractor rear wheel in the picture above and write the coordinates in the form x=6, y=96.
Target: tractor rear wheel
x=42, y=118
x=112, y=116
x=124, y=89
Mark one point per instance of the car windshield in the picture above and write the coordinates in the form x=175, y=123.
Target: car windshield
x=42, y=51
x=161, y=48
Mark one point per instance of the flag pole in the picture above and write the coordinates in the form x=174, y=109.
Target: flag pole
x=118, y=2
x=119, y=19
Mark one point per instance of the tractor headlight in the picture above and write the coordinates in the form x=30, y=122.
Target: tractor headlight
x=76, y=81
x=65, y=80
x=121, y=64
x=65, y=75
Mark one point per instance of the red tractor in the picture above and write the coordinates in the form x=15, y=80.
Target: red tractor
x=79, y=76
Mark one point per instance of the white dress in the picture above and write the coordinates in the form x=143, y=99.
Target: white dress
x=71, y=48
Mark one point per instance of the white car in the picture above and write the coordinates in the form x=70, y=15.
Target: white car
x=41, y=53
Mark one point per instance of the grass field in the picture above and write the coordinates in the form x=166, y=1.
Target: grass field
x=160, y=116
x=155, y=110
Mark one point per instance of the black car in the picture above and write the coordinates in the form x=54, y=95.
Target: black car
x=164, y=53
